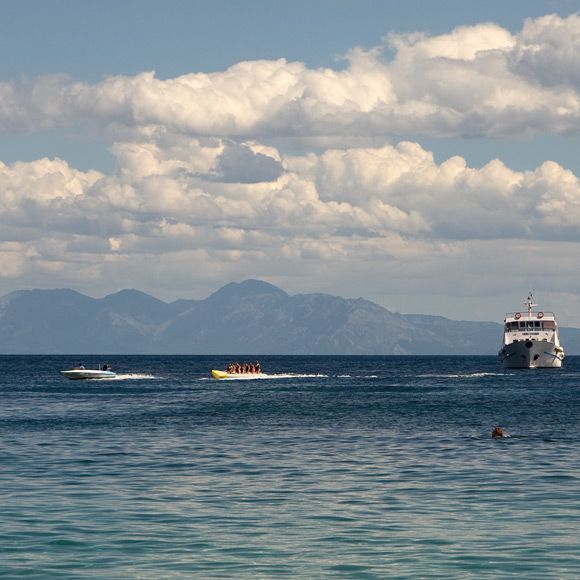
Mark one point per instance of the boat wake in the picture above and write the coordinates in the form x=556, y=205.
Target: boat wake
x=475, y=375
x=130, y=377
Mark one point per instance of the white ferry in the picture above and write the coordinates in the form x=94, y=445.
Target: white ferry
x=530, y=339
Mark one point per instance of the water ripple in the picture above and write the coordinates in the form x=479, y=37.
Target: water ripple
x=353, y=467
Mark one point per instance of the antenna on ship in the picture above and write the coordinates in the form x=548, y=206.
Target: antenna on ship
x=530, y=302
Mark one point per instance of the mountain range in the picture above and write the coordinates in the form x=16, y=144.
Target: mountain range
x=248, y=318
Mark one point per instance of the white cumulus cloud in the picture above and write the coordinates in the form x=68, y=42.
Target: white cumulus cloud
x=338, y=206
x=201, y=194
x=475, y=80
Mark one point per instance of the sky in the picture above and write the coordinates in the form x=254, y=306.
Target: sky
x=423, y=155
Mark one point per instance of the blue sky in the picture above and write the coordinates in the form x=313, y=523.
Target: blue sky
x=89, y=40
x=420, y=154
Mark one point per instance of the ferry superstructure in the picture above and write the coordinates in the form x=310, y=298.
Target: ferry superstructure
x=530, y=339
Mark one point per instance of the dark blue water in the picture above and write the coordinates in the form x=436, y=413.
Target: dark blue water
x=354, y=467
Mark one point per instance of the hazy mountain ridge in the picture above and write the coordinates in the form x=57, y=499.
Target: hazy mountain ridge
x=250, y=317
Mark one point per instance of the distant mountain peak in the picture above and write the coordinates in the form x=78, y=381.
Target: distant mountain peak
x=248, y=317
x=39, y=295
x=254, y=285
x=134, y=302
x=129, y=294
x=250, y=287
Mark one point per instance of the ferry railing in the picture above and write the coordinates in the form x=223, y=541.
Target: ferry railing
x=533, y=314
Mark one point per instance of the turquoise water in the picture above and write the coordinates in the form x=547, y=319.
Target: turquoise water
x=353, y=467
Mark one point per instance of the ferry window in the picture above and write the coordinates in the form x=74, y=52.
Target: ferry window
x=537, y=324
x=522, y=324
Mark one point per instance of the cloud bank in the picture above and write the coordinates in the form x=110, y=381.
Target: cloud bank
x=200, y=197
x=475, y=81
x=344, y=205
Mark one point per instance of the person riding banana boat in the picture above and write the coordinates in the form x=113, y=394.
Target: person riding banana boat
x=236, y=369
x=243, y=368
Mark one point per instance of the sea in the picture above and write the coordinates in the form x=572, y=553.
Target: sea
x=328, y=467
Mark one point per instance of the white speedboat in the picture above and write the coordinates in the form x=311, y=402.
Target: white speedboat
x=80, y=373
x=530, y=339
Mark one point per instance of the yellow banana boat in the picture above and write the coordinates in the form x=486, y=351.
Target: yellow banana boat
x=225, y=375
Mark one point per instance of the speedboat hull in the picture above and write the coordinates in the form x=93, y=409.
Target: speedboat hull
x=530, y=354
x=83, y=374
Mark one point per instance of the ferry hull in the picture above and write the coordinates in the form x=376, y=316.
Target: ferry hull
x=531, y=354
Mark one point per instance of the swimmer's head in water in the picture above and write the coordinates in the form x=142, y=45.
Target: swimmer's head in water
x=497, y=432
